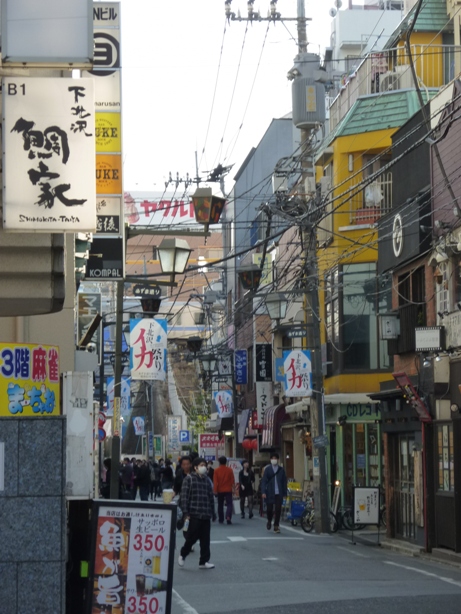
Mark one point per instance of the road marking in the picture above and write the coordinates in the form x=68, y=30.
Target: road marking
x=299, y=531
x=271, y=558
x=425, y=573
x=278, y=537
x=237, y=539
x=186, y=607
x=350, y=551
x=219, y=541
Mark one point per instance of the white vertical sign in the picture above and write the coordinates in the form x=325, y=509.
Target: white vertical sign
x=78, y=407
x=148, y=340
x=264, y=399
x=49, y=181
x=297, y=367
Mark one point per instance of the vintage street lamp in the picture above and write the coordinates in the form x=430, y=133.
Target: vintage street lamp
x=276, y=304
x=208, y=208
x=208, y=362
x=173, y=255
x=250, y=276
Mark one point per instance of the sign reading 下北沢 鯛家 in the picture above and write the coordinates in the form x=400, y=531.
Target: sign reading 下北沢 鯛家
x=48, y=154
x=148, y=338
x=131, y=567
x=29, y=380
x=297, y=366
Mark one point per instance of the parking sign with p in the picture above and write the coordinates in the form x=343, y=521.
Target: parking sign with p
x=184, y=436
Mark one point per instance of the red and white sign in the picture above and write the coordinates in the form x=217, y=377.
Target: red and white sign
x=211, y=446
x=158, y=209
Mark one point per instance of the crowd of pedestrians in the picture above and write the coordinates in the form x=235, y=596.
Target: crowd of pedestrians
x=196, y=484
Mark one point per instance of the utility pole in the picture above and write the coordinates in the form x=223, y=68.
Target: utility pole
x=116, y=419
x=321, y=498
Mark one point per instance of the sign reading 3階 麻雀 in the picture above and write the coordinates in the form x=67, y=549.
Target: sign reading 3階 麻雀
x=148, y=339
x=49, y=181
x=29, y=380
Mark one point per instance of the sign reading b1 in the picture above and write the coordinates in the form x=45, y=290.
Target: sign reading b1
x=184, y=436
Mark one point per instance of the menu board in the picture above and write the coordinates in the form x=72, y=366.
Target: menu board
x=366, y=505
x=131, y=568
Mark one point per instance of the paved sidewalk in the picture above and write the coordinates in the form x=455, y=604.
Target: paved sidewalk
x=370, y=538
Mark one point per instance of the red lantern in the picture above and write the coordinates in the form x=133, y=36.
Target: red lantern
x=246, y=444
x=254, y=444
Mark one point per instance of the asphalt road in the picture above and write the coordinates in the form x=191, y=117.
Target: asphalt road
x=295, y=573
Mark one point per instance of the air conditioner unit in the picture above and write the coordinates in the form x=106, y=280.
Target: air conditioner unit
x=398, y=79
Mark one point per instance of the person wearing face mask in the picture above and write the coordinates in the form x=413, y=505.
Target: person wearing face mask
x=197, y=505
x=273, y=490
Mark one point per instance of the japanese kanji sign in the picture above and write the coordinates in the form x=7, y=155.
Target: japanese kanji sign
x=241, y=366
x=132, y=558
x=210, y=446
x=263, y=362
x=224, y=403
x=29, y=380
x=148, y=339
x=49, y=154
x=298, y=373
x=264, y=399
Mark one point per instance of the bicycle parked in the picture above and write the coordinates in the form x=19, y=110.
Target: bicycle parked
x=307, y=519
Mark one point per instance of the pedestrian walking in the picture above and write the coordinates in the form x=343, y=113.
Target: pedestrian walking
x=223, y=483
x=273, y=490
x=246, y=488
x=167, y=475
x=197, y=506
x=142, y=480
x=126, y=474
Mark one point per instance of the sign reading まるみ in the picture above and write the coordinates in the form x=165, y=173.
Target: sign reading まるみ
x=49, y=154
x=29, y=380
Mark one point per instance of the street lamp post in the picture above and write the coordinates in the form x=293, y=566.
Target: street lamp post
x=173, y=254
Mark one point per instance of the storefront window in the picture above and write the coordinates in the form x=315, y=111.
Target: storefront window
x=360, y=334
x=445, y=457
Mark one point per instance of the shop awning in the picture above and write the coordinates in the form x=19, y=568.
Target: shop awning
x=298, y=407
x=273, y=418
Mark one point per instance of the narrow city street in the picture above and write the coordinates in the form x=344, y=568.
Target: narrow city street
x=294, y=572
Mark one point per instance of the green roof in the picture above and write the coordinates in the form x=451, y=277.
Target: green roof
x=433, y=17
x=380, y=112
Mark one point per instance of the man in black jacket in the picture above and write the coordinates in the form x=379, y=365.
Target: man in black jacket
x=197, y=505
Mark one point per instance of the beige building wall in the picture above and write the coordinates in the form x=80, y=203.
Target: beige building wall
x=51, y=329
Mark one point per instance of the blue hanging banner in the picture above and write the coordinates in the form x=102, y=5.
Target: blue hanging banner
x=241, y=367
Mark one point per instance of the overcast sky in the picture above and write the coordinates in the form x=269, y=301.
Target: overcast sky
x=171, y=50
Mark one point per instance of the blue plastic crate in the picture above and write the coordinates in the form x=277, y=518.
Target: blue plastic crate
x=297, y=509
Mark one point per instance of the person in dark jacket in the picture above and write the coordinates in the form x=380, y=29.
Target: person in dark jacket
x=185, y=467
x=273, y=490
x=167, y=475
x=142, y=480
x=105, y=487
x=126, y=474
x=246, y=484
x=197, y=505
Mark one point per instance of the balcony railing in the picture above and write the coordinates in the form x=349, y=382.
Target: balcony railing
x=369, y=204
x=389, y=70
